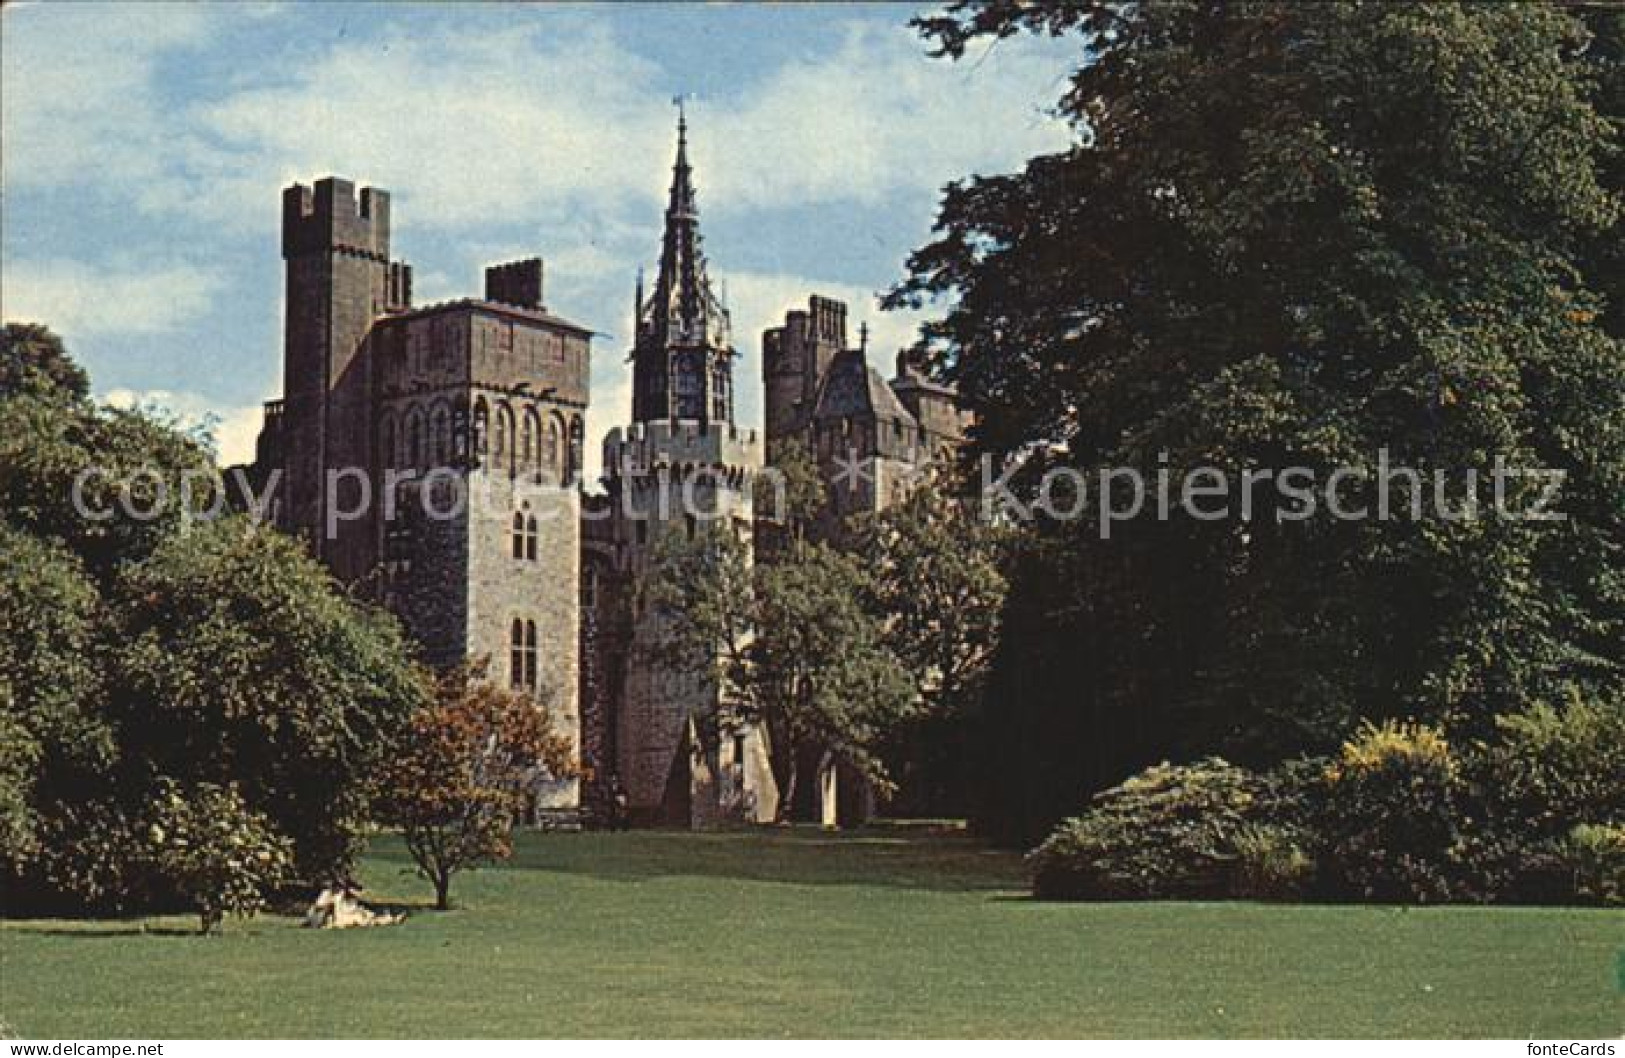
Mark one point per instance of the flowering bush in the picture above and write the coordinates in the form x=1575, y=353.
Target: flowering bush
x=1390, y=817
x=207, y=845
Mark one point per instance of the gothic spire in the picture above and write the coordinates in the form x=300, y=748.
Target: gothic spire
x=683, y=346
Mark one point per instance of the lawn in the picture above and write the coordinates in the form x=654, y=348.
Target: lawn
x=801, y=933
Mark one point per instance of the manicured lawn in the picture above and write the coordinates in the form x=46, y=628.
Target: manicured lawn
x=799, y=933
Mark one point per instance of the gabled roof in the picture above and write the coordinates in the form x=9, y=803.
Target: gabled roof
x=853, y=389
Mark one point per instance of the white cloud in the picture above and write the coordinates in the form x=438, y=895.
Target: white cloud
x=79, y=105
x=470, y=128
x=78, y=300
x=234, y=429
x=877, y=118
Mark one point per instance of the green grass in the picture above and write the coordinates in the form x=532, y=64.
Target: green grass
x=799, y=933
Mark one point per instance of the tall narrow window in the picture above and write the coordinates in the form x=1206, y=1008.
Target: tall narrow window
x=530, y=537
x=516, y=654
x=518, y=533
x=527, y=440
x=439, y=436
x=530, y=655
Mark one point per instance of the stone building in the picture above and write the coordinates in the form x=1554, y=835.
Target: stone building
x=872, y=441
x=681, y=466
x=870, y=438
x=431, y=455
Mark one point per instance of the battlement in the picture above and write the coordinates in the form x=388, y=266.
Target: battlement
x=828, y=318
x=331, y=216
x=516, y=283
x=649, y=445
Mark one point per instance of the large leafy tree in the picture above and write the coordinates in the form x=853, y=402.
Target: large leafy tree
x=243, y=663
x=55, y=741
x=110, y=483
x=937, y=588
x=1293, y=235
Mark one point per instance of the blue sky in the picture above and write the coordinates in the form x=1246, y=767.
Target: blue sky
x=145, y=146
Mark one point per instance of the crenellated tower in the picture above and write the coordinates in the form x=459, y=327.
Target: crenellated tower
x=339, y=281
x=679, y=469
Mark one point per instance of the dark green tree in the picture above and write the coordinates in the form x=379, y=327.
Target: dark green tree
x=788, y=643
x=1293, y=235
x=937, y=590
x=242, y=662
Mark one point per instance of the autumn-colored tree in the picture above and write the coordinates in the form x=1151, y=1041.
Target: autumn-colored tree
x=460, y=776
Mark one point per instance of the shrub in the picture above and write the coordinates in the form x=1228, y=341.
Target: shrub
x=207, y=845
x=1271, y=862
x=1167, y=832
x=1390, y=817
x=1596, y=855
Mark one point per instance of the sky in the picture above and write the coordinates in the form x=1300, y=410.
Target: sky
x=145, y=146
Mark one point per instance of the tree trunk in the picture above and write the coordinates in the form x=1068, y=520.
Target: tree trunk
x=787, y=796
x=442, y=891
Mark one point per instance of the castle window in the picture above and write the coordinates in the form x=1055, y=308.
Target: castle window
x=502, y=444
x=551, y=445
x=524, y=534
x=689, y=386
x=440, y=436
x=522, y=655
x=572, y=466
x=528, y=439
x=482, y=427
x=414, y=439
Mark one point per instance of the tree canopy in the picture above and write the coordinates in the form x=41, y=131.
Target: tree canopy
x=1294, y=235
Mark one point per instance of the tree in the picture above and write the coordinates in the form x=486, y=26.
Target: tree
x=935, y=569
x=789, y=645
x=109, y=483
x=1292, y=235
x=32, y=359
x=789, y=498
x=243, y=662
x=57, y=742
x=460, y=777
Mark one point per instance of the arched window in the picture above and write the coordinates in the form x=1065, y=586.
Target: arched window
x=524, y=531
x=482, y=428
x=522, y=655
x=502, y=443
x=440, y=436
x=414, y=438
x=528, y=439
x=553, y=446
x=578, y=435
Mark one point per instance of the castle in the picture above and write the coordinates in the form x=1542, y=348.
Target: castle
x=432, y=457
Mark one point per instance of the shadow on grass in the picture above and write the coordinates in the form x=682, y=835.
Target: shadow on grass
x=939, y=858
